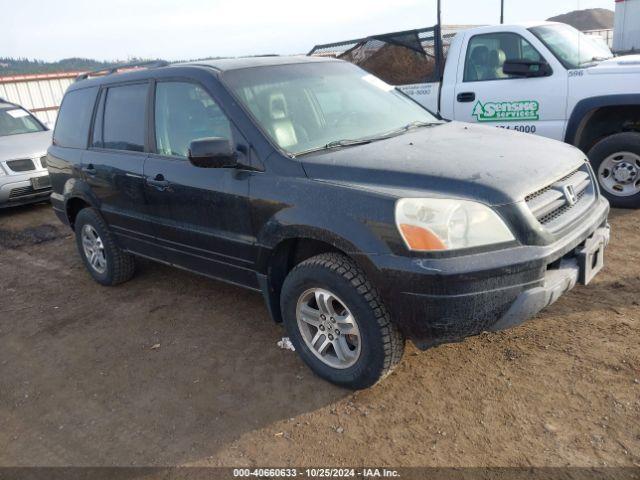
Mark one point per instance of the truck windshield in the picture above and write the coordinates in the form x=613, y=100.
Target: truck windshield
x=571, y=47
x=16, y=120
x=311, y=106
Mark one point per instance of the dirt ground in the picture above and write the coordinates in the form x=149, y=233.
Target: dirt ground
x=175, y=369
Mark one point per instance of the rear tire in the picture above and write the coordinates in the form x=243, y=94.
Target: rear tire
x=366, y=344
x=616, y=163
x=105, y=261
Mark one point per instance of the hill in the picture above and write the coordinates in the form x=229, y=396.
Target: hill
x=589, y=19
x=22, y=66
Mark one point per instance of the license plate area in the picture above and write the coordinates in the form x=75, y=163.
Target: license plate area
x=591, y=257
x=40, y=183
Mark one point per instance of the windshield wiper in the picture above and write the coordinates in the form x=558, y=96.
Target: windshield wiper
x=594, y=61
x=336, y=144
x=406, y=128
x=363, y=141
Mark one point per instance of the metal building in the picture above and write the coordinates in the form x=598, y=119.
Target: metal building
x=38, y=93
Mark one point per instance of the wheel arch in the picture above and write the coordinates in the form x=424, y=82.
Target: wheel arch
x=597, y=117
x=76, y=195
x=275, y=263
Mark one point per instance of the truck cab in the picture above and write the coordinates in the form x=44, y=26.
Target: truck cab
x=548, y=79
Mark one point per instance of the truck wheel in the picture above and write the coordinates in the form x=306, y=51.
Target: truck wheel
x=107, y=264
x=337, y=322
x=616, y=162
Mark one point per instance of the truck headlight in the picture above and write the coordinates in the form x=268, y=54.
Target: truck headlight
x=441, y=224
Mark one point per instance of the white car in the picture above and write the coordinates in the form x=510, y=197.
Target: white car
x=552, y=80
x=23, y=148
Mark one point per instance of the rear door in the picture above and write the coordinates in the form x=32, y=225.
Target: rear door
x=201, y=215
x=114, y=164
x=485, y=94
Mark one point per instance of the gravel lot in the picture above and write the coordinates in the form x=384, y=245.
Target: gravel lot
x=175, y=369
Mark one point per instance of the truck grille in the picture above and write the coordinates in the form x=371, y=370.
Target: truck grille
x=558, y=204
x=22, y=165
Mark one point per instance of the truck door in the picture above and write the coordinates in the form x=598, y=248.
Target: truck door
x=485, y=94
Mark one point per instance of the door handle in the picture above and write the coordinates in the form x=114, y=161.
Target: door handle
x=89, y=169
x=158, y=182
x=465, y=97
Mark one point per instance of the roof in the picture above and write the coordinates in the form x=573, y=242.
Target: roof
x=6, y=105
x=225, y=64
x=219, y=65
x=525, y=25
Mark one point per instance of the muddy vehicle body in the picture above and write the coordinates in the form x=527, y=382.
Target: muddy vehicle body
x=362, y=218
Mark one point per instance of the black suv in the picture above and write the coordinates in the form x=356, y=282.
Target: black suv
x=361, y=217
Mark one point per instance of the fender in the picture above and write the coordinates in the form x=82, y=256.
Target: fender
x=75, y=188
x=580, y=112
x=298, y=223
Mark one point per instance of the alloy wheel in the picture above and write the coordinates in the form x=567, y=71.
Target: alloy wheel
x=328, y=328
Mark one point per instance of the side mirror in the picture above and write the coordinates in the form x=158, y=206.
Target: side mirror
x=213, y=152
x=526, y=68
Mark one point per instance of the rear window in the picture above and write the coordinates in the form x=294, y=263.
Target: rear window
x=72, y=127
x=123, y=124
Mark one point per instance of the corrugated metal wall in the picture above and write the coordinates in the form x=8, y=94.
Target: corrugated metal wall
x=41, y=94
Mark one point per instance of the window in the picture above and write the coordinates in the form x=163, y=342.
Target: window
x=14, y=121
x=307, y=106
x=185, y=112
x=74, y=118
x=573, y=48
x=123, y=119
x=487, y=53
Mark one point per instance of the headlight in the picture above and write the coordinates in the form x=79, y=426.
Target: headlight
x=442, y=224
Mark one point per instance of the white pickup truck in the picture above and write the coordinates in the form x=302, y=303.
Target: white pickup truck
x=551, y=80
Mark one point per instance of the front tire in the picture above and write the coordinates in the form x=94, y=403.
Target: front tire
x=616, y=162
x=105, y=261
x=338, y=323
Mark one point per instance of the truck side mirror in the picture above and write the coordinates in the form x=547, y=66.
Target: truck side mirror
x=526, y=68
x=212, y=152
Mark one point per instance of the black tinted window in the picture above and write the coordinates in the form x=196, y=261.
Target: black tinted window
x=74, y=118
x=124, y=118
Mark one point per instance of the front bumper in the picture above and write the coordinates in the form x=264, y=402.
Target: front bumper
x=440, y=300
x=17, y=189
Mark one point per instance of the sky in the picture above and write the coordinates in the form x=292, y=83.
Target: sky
x=188, y=29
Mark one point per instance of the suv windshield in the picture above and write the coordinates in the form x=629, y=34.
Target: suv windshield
x=571, y=47
x=17, y=120
x=309, y=106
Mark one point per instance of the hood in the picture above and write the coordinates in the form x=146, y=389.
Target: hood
x=627, y=64
x=24, y=145
x=452, y=160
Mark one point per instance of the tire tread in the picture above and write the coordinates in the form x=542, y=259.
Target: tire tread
x=392, y=338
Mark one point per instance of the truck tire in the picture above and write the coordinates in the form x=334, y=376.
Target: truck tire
x=616, y=162
x=338, y=323
x=105, y=261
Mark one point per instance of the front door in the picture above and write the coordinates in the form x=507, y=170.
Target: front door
x=485, y=94
x=201, y=215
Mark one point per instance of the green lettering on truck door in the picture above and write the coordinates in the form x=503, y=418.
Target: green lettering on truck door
x=506, y=111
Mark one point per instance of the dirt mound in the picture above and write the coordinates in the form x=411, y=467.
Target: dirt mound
x=588, y=19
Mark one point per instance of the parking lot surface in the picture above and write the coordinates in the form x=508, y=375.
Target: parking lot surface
x=176, y=369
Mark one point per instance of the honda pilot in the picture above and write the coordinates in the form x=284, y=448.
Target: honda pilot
x=361, y=217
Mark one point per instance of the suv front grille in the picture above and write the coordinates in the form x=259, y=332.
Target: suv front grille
x=23, y=165
x=556, y=205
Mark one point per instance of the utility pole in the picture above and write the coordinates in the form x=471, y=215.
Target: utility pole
x=501, y=12
x=437, y=43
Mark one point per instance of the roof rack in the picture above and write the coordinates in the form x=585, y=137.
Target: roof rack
x=111, y=70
